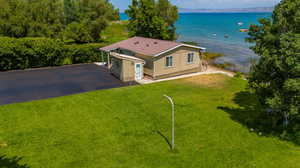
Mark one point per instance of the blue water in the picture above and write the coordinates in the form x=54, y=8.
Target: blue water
x=209, y=30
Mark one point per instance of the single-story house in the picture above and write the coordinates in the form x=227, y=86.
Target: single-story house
x=135, y=57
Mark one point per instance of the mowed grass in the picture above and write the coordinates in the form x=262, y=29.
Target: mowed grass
x=115, y=32
x=128, y=127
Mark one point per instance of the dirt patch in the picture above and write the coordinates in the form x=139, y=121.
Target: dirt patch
x=211, y=80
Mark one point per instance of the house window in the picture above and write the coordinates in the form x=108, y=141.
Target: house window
x=169, y=61
x=190, y=58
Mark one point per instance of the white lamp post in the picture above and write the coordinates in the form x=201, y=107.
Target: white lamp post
x=173, y=121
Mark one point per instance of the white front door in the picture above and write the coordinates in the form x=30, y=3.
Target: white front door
x=138, y=71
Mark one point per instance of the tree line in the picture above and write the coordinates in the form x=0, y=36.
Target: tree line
x=36, y=33
x=276, y=76
x=80, y=21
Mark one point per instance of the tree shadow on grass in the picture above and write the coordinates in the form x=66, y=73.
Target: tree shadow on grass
x=248, y=111
x=252, y=115
x=13, y=162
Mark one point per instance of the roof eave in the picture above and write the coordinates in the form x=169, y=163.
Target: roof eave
x=180, y=45
x=122, y=56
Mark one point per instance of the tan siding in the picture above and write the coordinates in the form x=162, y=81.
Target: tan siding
x=147, y=59
x=148, y=71
x=177, y=73
x=128, y=71
x=148, y=67
x=179, y=62
x=124, y=68
x=156, y=66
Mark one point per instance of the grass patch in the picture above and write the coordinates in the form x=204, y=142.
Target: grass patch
x=211, y=81
x=211, y=55
x=115, y=32
x=119, y=128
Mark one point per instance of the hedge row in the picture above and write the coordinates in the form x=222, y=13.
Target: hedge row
x=26, y=53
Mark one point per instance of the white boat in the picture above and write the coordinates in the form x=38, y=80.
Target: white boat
x=240, y=23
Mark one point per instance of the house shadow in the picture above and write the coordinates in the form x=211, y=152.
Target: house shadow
x=252, y=115
x=12, y=162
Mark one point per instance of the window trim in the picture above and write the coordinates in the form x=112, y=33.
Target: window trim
x=166, y=63
x=193, y=56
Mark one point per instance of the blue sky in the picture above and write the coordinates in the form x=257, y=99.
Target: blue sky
x=208, y=4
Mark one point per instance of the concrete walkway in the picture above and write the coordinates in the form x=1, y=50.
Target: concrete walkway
x=210, y=70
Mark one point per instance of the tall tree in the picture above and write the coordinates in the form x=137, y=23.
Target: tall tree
x=22, y=18
x=13, y=19
x=148, y=20
x=91, y=18
x=170, y=15
x=56, y=18
x=276, y=77
x=70, y=11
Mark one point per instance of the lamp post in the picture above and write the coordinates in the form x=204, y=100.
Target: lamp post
x=173, y=121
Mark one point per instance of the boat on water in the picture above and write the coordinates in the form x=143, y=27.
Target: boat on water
x=240, y=23
x=244, y=30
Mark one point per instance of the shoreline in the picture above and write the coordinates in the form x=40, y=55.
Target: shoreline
x=232, y=57
x=211, y=57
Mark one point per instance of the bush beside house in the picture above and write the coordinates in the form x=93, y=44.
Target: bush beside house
x=26, y=53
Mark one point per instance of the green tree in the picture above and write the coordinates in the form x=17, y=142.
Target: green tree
x=78, y=32
x=276, y=76
x=148, y=20
x=13, y=19
x=92, y=16
x=19, y=18
x=45, y=18
x=56, y=18
x=170, y=15
x=70, y=11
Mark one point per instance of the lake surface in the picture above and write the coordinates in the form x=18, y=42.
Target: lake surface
x=220, y=32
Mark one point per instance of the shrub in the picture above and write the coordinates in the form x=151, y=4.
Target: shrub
x=29, y=53
x=84, y=53
x=67, y=61
x=238, y=75
x=211, y=55
x=25, y=53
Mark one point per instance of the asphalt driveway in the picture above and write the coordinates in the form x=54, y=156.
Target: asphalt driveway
x=27, y=85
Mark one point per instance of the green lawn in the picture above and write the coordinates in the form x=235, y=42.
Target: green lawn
x=125, y=127
x=115, y=32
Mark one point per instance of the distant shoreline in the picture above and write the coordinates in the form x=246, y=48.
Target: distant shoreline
x=222, y=12
x=214, y=12
x=232, y=10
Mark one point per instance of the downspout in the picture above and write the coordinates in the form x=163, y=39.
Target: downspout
x=108, y=60
x=203, y=63
x=201, y=60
